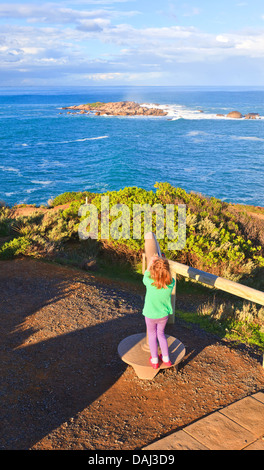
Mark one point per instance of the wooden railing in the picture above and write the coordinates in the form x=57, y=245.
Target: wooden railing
x=212, y=280
x=244, y=292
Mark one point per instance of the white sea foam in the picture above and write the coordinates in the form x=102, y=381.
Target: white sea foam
x=92, y=138
x=190, y=170
x=177, y=111
x=198, y=136
x=10, y=168
x=72, y=141
x=196, y=133
x=242, y=137
x=41, y=182
x=31, y=190
x=47, y=164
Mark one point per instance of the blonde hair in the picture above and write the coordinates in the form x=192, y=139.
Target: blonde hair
x=160, y=273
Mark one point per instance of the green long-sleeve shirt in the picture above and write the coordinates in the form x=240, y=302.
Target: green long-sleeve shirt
x=157, y=301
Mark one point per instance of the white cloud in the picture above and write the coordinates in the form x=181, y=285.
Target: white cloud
x=46, y=38
x=222, y=38
x=96, y=25
x=49, y=13
x=104, y=76
x=55, y=14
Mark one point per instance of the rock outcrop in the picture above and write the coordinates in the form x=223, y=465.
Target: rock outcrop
x=234, y=114
x=121, y=108
x=252, y=116
x=238, y=115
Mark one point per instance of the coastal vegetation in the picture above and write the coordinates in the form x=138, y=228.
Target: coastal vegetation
x=221, y=238
x=95, y=105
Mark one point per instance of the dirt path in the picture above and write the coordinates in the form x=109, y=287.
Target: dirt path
x=63, y=383
x=28, y=210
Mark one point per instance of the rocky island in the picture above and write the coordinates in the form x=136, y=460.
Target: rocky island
x=121, y=108
x=131, y=108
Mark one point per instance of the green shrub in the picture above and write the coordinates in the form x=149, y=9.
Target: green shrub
x=15, y=247
x=4, y=227
x=69, y=197
x=5, y=221
x=218, y=238
x=216, y=241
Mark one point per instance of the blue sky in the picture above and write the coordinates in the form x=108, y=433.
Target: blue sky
x=132, y=42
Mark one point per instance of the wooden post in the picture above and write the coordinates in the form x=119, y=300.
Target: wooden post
x=173, y=299
x=143, y=263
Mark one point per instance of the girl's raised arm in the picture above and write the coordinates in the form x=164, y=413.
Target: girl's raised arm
x=152, y=259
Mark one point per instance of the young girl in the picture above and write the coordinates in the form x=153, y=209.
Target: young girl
x=159, y=284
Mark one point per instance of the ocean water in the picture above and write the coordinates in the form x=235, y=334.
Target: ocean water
x=44, y=151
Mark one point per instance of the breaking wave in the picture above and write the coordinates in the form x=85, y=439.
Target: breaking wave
x=177, y=111
x=72, y=141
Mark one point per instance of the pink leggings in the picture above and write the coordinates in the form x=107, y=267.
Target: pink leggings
x=155, y=330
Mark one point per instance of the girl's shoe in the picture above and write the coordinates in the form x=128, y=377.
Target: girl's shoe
x=166, y=364
x=155, y=366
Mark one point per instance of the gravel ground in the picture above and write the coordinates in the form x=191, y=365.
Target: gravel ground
x=63, y=385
